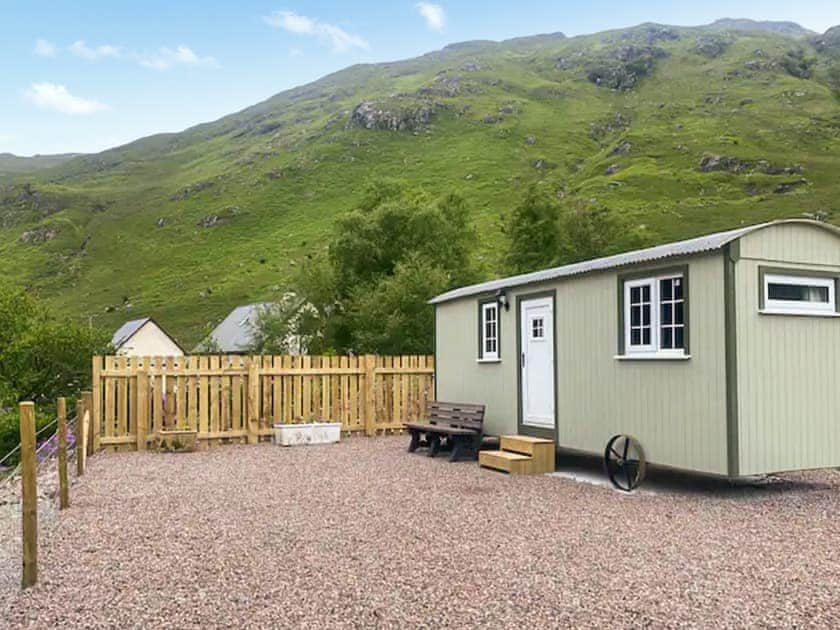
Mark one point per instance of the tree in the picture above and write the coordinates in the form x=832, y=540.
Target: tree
x=541, y=232
x=592, y=232
x=360, y=291
x=533, y=237
x=393, y=316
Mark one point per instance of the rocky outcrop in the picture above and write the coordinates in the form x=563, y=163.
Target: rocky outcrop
x=42, y=234
x=395, y=117
x=712, y=46
x=190, y=190
x=624, y=66
x=710, y=163
x=830, y=40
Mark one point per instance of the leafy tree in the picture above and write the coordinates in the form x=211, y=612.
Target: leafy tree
x=532, y=233
x=393, y=316
x=42, y=357
x=541, y=232
x=587, y=232
x=359, y=295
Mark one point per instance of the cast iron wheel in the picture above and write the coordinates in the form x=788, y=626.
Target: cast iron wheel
x=624, y=461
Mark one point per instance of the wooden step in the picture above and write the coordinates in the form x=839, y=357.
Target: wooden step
x=541, y=450
x=513, y=463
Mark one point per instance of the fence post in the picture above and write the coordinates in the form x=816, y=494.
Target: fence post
x=92, y=436
x=29, y=494
x=63, y=495
x=95, y=410
x=142, y=413
x=80, y=437
x=370, y=395
x=253, y=401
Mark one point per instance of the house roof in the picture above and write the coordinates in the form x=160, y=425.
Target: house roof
x=130, y=328
x=698, y=245
x=236, y=332
x=127, y=330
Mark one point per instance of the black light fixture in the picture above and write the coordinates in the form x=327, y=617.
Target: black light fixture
x=501, y=299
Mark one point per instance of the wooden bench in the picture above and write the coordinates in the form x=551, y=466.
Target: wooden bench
x=455, y=425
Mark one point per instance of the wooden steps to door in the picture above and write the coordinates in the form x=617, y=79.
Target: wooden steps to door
x=520, y=455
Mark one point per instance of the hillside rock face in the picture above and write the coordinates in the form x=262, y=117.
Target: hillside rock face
x=624, y=66
x=39, y=235
x=830, y=40
x=370, y=115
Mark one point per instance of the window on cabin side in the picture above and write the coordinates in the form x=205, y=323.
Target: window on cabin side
x=799, y=295
x=654, y=315
x=489, y=331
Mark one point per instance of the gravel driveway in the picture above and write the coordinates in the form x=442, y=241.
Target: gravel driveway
x=363, y=534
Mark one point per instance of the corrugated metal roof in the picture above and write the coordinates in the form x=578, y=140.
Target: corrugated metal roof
x=236, y=332
x=710, y=242
x=125, y=332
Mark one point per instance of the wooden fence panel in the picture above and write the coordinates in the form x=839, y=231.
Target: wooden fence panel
x=215, y=396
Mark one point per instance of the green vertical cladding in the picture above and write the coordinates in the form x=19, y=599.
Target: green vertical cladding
x=730, y=256
x=787, y=365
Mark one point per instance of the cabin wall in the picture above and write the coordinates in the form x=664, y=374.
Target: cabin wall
x=788, y=365
x=150, y=341
x=677, y=409
x=460, y=377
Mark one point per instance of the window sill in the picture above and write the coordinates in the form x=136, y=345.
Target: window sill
x=770, y=311
x=488, y=360
x=653, y=356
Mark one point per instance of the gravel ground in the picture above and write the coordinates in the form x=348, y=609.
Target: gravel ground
x=362, y=534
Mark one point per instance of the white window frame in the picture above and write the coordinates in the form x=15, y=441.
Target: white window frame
x=795, y=307
x=485, y=354
x=653, y=349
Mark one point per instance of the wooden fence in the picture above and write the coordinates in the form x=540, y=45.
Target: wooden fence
x=237, y=398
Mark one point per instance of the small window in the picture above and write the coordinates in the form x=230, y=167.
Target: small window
x=489, y=336
x=654, y=315
x=538, y=328
x=800, y=295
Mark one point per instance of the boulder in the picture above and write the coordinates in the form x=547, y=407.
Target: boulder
x=39, y=235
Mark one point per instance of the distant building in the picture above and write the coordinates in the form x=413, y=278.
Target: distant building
x=236, y=333
x=144, y=338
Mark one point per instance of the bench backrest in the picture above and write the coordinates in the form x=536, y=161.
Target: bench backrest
x=461, y=415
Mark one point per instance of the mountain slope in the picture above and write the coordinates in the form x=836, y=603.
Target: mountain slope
x=688, y=130
x=10, y=163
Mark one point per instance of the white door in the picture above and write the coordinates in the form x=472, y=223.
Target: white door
x=537, y=362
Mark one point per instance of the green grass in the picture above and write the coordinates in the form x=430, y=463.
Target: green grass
x=291, y=164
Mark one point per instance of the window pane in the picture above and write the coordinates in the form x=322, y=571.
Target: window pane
x=646, y=293
x=667, y=313
x=667, y=338
x=665, y=289
x=646, y=315
x=646, y=336
x=678, y=313
x=635, y=315
x=797, y=292
x=635, y=336
x=679, y=334
x=678, y=288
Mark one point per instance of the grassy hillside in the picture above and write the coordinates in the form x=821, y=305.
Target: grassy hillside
x=688, y=130
x=10, y=163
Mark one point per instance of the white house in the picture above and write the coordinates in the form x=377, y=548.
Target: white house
x=144, y=338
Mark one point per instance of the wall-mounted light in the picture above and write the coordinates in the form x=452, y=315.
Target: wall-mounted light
x=501, y=299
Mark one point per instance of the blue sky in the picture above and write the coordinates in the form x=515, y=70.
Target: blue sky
x=87, y=75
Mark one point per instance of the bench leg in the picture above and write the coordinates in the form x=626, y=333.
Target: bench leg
x=434, y=444
x=457, y=447
x=415, y=441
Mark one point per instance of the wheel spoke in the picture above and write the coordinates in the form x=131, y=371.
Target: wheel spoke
x=626, y=447
x=615, y=452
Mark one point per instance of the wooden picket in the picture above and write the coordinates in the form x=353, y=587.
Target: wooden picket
x=240, y=398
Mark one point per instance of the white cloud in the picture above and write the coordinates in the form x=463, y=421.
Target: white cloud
x=338, y=38
x=433, y=14
x=80, y=49
x=44, y=48
x=165, y=58
x=58, y=98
